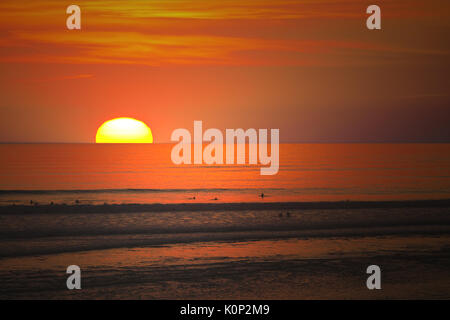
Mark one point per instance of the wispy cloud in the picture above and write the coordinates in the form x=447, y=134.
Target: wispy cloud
x=44, y=79
x=225, y=32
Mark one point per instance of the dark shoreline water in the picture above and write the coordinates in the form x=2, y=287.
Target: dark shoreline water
x=412, y=268
x=160, y=207
x=41, y=232
x=321, y=250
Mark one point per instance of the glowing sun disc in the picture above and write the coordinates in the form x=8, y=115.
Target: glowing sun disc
x=124, y=130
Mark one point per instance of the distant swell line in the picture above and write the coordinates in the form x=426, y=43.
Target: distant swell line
x=245, y=229
x=127, y=190
x=237, y=206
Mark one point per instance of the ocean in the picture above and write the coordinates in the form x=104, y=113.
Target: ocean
x=141, y=227
x=127, y=173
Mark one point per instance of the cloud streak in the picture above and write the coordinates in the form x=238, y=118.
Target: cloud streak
x=225, y=32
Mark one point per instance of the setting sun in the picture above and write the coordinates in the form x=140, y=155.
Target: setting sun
x=124, y=130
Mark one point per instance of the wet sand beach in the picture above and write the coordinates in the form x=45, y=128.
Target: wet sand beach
x=228, y=254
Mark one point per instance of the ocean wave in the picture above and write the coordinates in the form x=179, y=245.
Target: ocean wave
x=285, y=226
x=28, y=247
x=128, y=190
x=233, y=206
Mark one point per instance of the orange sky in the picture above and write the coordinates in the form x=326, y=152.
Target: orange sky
x=310, y=68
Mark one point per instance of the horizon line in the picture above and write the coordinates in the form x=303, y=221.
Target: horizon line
x=287, y=142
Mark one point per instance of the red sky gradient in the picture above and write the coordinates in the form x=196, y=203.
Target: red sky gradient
x=310, y=68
